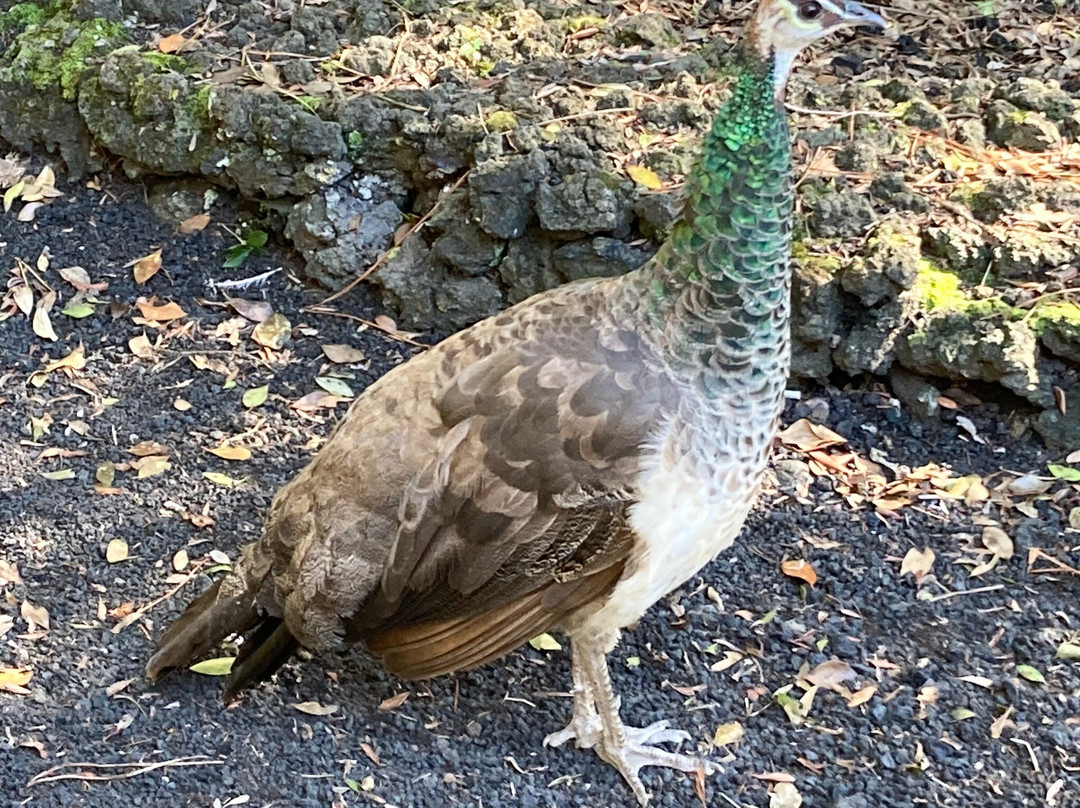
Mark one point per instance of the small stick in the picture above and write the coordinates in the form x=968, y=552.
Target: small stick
x=957, y=594
x=48, y=775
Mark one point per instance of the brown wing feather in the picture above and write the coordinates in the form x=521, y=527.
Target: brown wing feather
x=424, y=651
x=523, y=509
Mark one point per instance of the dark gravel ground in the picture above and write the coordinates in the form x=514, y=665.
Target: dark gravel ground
x=475, y=739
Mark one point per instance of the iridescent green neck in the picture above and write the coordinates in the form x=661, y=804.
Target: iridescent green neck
x=719, y=287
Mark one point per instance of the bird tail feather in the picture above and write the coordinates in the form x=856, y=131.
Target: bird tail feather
x=206, y=621
x=265, y=650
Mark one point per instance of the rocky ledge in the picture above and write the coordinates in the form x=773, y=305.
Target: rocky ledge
x=483, y=151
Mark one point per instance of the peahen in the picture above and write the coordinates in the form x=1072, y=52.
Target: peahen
x=560, y=466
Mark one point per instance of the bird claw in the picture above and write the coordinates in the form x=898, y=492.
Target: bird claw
x=636, y=751
x=633, y=756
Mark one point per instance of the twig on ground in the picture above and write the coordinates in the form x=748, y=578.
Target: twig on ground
x=137, y=615
x=975, y=591
x=56, y=773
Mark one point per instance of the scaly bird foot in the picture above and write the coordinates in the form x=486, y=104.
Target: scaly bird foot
x=632, y=756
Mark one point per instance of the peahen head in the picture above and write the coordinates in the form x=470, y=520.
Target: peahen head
x=781, y=29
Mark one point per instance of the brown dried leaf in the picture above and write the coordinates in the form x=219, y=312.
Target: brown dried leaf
x=810, y=437
x=116, y=551
x=917, y=562
x=343, y=354
x=257, y=311
x=146, y=448
x=158, y=314
x=42, y=325
x=171, y=43
x=800, y=569
x=860, y=697
x=141, y=347
x=152, y=466
x=314, y=708
x=830, y=674
x=394, y=702
x=194, y=224
x=35, y=616
x=273, y=332
x=231, y=452
x=998, y=542
x=145, y=268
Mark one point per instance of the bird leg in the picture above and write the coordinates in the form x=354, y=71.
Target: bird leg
x=596, y=723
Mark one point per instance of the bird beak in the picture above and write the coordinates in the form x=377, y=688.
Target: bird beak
x=858, y=14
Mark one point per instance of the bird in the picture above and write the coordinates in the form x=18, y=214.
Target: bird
x=560, y=466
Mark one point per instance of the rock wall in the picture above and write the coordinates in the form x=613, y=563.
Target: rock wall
x=938, y=208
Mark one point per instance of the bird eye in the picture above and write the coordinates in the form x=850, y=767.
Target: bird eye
x=810, y=10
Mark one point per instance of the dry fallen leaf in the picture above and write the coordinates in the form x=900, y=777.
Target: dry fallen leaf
x=257, y=311
x=14, y=680
x=314, y=708
x=785, y=795
x=151, y=466
x=343, y=354
x=810, y=437
x=171, y=43
x=917, y=562
x=158, y=313
x=860, y=697
x=35, y=616
x=194, y=224
x=831, y=674
x=800, y=569
x=144, y=448
x=145, y=268
x=116, y=551
x=394, y=702
x=729, y=733
x=273, y=332
x=42, y=325
x=998, y=542
x=231, y=452
x=140, y=346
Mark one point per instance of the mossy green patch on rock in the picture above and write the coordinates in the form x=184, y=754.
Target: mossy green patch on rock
x=21, y=14
x=938, y=290
x=501, y=120
x=55, y=51
x=168, y=61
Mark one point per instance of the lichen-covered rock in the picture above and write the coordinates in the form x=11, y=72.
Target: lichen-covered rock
x=502, y=192
x=859, y=155
x=892, y=190
x=1027, y=255
x=585, y=202
x=841, y=215
x=343, y=228
x=1011, y=127
x=958, y=250
x=869, y=347
x=957, y=345
x=921, y=114
x=889, y=266
x=162, y=122
x=527, y=268
x=1060, y=431
x=816, y=312
x=1058, y=326
x=990, y=200
x=969, y=95
x=1038, y=96
x=650, y=28
x=175, y=200
x=919, y=396
x=971, y=132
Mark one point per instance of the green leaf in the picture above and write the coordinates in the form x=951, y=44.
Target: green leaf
x=963, y=714
x=12, y=194
x=1066, y=473
x=79, y=310
x=355, y=786
x=1031, y=674
x=545, y=642
x=633, y=662
x=256, y=239
x=255, y=396
x=224, y=480
x=334, y=386
x=236, y=255
x=1068, y=650
x=221, y=666
x=62, y=474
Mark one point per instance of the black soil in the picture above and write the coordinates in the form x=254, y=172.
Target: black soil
x=476, y=739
